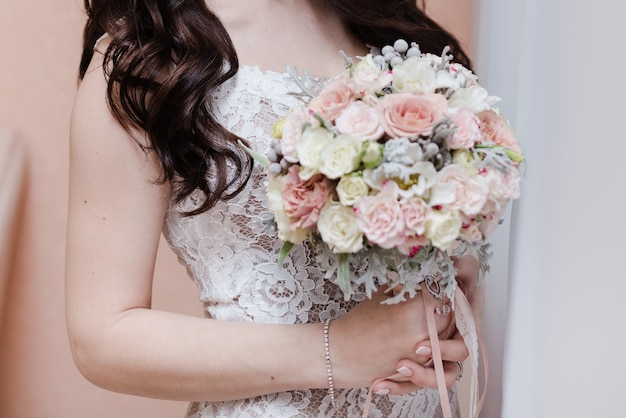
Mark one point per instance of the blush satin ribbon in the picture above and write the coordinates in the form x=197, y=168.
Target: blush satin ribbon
x=471, y=336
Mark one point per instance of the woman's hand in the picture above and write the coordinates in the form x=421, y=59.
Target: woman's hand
x=371, y=340
x=421, y=374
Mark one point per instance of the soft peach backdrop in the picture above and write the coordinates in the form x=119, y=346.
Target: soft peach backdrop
x=39, y=56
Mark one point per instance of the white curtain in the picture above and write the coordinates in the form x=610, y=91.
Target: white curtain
x=560, y=67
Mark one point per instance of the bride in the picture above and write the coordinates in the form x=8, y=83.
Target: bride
x=167, y=89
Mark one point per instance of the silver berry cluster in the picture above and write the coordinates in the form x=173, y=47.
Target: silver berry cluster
x=392, y=55
x=278, y=164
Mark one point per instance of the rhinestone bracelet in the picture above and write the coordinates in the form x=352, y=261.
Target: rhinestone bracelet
x=329, y=369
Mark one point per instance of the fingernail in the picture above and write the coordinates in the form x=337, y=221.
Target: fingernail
x=423, y=351
x=405, y=371
x=382, y=392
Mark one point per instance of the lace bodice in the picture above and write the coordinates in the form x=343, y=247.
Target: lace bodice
x=232, y=257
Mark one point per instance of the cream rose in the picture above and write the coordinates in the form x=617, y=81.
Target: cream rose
x=340, y=156
x=411, y=114
x=310, y=146
x=338, y=227
x=465, y=158
x=372, y=154
x=442, y=228
x=350, y=189
x=360, y=120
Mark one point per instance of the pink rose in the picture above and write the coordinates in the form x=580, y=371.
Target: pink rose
x=380, y=217
x=470, y=192
x=411, y=114
x=360, y=120
x=303, y=199
x=467, y=131
x=497, y=130
x=415, y=212
x=332, y=99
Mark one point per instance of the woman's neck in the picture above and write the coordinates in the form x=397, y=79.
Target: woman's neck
x=274, y=33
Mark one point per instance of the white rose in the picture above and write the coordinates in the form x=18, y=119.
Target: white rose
x=414, y=75
x=311, y=144
x=350, y=189
x=286, y=229
x=443, y=228
x=474, y=98
x=339, y=156
x=338, y=227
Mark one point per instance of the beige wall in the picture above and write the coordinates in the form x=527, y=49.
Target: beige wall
x=39, y=57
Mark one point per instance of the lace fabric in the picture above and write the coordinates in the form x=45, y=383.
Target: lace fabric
x=231, y=254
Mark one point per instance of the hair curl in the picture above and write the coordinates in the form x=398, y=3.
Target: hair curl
x=166, y=58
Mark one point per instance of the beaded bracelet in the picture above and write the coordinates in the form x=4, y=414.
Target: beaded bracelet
x=329, y=369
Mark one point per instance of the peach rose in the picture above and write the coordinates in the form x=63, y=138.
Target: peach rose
x=380, y=217
x=304, y=199
x=332, y=99
x=496, y=130
x=467, y=131
x=411, y=114
x=361, y=120
x=502, y=187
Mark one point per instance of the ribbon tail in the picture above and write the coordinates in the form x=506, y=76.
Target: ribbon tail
x=436, y=348
x=473, y=341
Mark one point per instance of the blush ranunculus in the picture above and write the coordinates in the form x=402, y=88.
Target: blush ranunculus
x=411, y=114
x=467, y=132
x=380, y=217
x=303, y=199
x=332, y=99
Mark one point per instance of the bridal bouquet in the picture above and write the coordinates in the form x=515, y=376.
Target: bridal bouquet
x=400, y=162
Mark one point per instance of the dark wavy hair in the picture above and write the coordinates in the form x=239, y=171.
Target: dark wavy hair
x=166, y=58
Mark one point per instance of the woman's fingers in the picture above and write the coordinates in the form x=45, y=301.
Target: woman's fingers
x=418, y=377
x=451, y=350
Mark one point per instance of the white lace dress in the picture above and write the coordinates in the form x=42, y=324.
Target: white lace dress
x=232, y=257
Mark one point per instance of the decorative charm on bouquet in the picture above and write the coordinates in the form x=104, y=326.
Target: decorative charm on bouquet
x=400, y=162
